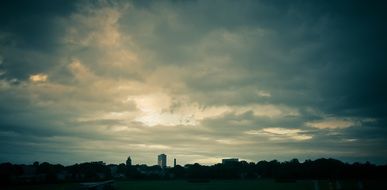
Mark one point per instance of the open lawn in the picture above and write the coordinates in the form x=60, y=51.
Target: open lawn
x=217, y=185
x=65, y=186
x=214, y=185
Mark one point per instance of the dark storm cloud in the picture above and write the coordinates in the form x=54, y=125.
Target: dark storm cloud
x=332, y=51
x=355, y=59
x=30, y=35
x=32, y=23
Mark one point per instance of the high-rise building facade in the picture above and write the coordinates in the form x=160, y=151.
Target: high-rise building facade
x=162, y=160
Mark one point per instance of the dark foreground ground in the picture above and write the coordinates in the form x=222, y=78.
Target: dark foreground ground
x=221, y=185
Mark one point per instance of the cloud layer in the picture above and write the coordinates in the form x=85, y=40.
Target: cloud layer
x=197, y=80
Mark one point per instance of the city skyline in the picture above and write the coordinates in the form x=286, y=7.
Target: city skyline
x=199, y=80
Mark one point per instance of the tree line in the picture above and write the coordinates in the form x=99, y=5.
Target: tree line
x=287, y=170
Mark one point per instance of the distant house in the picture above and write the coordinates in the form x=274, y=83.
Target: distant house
x=30, y=175
x=98, y=163
x=152, y=170
x=230, y=160
x=114, y=171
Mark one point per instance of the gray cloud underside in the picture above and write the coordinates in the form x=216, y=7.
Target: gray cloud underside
x=198, y=80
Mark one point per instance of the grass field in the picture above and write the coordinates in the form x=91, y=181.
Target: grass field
x=215, y=185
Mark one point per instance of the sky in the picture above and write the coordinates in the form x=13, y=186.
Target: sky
x=197, y=80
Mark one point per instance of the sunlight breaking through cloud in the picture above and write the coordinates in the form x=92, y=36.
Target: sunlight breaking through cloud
x=38, y=77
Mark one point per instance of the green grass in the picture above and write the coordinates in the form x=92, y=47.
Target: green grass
x=65, y=186
x=214, y=185
x=247, y=185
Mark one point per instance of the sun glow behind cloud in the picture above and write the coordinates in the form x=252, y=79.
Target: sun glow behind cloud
x=161, y=109
x=38, y=77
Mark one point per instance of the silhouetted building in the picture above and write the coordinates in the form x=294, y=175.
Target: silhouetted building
x=129, y=161
x=174, y=162
x=162, y=160
x=99, y=163
x=229, y=160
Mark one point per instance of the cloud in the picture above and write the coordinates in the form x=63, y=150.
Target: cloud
x=262, y=93
x=234, y=142
x=103, y=79
x=208, y=161
x=161, y=109
x=80, y=71
x=94, y=26
x=276, y=133
x=38, y=77
x=332, y=123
